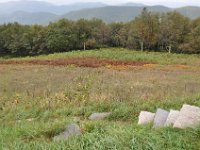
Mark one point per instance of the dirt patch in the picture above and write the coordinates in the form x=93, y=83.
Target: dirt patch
x=91, y=62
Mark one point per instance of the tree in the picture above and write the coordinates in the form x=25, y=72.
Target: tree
x=13, y=41
x=192, y=42
x=60, y=36
x=149, y=31
x=83, y=32
x=146, y=28
x=3, y=50
x=34, y=40
x=117, y=34
x=174, y=28
x=99, y=34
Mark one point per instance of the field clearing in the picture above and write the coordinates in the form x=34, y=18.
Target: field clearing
x=121, y=54
x=37, y=101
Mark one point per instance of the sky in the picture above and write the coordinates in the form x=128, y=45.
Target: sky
x=170, y=3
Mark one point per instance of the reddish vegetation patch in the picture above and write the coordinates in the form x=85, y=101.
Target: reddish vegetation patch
x=80, y=62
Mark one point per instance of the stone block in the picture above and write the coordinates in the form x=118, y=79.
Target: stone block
x=189, y=117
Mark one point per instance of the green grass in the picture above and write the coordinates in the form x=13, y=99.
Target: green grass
x=120, y=131
x=53, y=96
x=109, y=135
x=125, y=54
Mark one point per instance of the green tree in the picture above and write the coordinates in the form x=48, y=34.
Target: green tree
x=145, y=29
x=13, y=41
x=34, y=40
x=174, y=28
x=99, y=34
x=83, y=32
x=117, y=35
x=192, y=42
x=60, y=36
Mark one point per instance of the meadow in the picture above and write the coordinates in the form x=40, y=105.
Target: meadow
x=37, y=101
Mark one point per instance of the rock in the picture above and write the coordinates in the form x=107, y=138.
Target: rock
x=99, y=116
x=160, y=118
x=71, y=131
x=189, y=117
x=146, y=118
x=172, y=117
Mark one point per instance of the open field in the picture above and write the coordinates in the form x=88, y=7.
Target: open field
x=122, y=54
x=37, y=100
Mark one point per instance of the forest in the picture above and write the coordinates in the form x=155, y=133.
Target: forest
x=163, y=32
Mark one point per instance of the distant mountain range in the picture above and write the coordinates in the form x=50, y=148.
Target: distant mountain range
x=113, y=13
x=40, y=6
x=38, y=12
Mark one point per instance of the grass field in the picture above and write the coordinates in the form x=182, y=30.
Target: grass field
x=37, y=101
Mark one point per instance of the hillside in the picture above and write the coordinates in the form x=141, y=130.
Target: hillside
x=133, y=4
x=190, y=11
x=40, y=6
x=42, y=18
x=113, y=13
x=38, y=12
x=126, y=13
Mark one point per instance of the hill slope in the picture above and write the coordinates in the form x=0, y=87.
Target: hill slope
x=40, y=6
x=109, y=14
x=113, y=13
x=190, y=11
x=42, y=18
x=127, y=13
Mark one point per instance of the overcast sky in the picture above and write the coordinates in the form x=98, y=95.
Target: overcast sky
x=171, y=3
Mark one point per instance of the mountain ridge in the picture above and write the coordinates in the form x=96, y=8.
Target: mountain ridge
x=109, y=14
x=41, y=6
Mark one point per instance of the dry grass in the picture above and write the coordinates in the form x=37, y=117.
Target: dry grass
x=123, y=83
x=92, y=62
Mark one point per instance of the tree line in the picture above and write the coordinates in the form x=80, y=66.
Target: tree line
x=170, y=32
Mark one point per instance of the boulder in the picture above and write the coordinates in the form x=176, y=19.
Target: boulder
x=160, y=118
x=146, y=117
x=99, y=116
x=189, y=117
x=172, y=117
x=71, y=131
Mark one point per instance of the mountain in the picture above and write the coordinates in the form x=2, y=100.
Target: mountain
x=40, y=6
x=42, y=18
x=126, y=13
x=190, y=11
x=38, y=12
x=133, y=4
x=113, y=13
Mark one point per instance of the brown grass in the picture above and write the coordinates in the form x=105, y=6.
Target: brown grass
x=91, y=62
x=84, y=83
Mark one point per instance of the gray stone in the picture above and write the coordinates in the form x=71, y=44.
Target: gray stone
x=146, y=118
x=160, y=118
x=172, y=117
x=189, y=117
x=71, y=131
x=99, y=116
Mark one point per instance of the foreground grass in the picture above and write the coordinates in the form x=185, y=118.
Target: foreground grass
x=125, y=54
x=120, y=131
x=37, y=102
x=112, y=136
